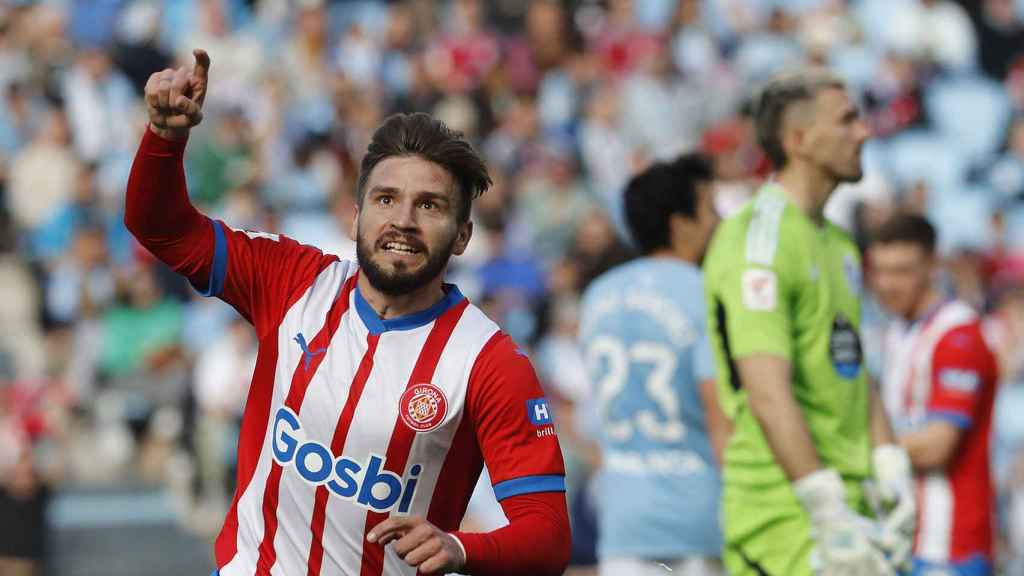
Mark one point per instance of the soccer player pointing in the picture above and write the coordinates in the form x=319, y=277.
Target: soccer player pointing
x=783, y=288
x=379, y=392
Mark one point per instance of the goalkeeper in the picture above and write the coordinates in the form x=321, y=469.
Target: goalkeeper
x=783, y=287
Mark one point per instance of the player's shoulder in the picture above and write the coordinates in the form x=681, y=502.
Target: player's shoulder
x=959, y=331
x=840, y=235
x=500, y=350
x=765, y=228
x=657, y=274
x=500, y=363
x=611, y=279
x=954, y=316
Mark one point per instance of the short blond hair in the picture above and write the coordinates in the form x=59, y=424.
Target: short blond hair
x=776, y=98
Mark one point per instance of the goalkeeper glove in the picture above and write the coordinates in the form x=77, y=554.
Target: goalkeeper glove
x=842, y=539
x=898, y=509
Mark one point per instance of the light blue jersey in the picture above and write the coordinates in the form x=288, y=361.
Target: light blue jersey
x=643, y=333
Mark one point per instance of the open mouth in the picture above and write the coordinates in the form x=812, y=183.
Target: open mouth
x=398, y=247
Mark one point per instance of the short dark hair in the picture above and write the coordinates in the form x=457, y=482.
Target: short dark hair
x=906, y=227
x=422, y=135
x=775, y=99
x=663, y=189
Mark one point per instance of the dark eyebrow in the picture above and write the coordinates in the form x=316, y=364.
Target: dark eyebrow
x=435, y=196
x=423, y=194
x=378, y=189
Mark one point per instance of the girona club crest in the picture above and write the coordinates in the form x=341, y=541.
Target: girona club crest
x=423, y=407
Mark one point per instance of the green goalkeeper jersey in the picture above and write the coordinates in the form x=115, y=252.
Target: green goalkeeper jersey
x=778, y=283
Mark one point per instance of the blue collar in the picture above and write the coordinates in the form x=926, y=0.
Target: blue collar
x=377, y=325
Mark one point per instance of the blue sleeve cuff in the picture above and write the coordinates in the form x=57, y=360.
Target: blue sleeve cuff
x=957, y=419
x=529, y=485
x=219, y=270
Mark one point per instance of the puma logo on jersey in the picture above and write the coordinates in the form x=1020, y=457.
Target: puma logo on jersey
x=307, y=354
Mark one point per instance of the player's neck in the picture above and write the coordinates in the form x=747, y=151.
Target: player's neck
x=675, y=253
x=808, y=189
x=387, y=306
x=932, y=298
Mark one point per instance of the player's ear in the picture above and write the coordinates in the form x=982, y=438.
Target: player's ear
x=794, y=132
x=462, y=239
x=793, y=140
x=682, y=232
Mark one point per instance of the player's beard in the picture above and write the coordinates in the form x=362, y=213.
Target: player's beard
x=402, y=282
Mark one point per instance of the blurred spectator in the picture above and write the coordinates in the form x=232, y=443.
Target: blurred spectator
x=82, y=282
x=552, y=204
x=618, y=41
x=596, y=249
x=221, y=384
x=466, y=52
x=222, y=159
x=43, y=173
x=664, y=114
x=19, y=113
x=137, y=50
x=27, y=471
x=99, y=100
x=1000, y=34
x=608, y=158
x=541, y=49
x=140, y=360
x=938, y=31
x=893, y=100
x=1005, y=174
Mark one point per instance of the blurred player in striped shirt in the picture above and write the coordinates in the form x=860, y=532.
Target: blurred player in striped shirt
x=938, y=386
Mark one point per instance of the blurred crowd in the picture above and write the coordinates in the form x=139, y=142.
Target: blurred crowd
x=113, y=369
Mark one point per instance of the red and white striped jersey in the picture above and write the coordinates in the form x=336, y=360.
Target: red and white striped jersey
x=941, y=367
x=351, y=418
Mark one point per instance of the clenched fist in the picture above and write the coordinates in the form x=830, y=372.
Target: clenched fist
x=174, y=98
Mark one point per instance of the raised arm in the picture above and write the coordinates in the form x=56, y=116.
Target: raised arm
x=157, y=209
x=260, y=274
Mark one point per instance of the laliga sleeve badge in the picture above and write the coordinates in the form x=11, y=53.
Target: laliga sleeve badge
x=423, y=407
x=760, y=289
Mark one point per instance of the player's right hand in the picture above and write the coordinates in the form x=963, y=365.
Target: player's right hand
x=174, y=98
x=844, y=542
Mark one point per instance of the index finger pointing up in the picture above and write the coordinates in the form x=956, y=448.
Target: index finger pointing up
x=202, y=67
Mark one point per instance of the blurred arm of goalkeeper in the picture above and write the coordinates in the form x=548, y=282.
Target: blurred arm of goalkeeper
x=767, y=378
x=842, y=537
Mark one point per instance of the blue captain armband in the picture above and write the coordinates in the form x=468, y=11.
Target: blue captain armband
x=529, y=485
x=219, y=270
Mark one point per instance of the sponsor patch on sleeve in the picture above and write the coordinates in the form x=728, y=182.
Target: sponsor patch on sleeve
x=960, y=381
x=538, y=411
x=760, y=289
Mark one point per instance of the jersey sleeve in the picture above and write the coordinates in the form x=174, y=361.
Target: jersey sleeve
x=750, y=305
x=513, y=422
x=261, y=274
x=960, y=366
